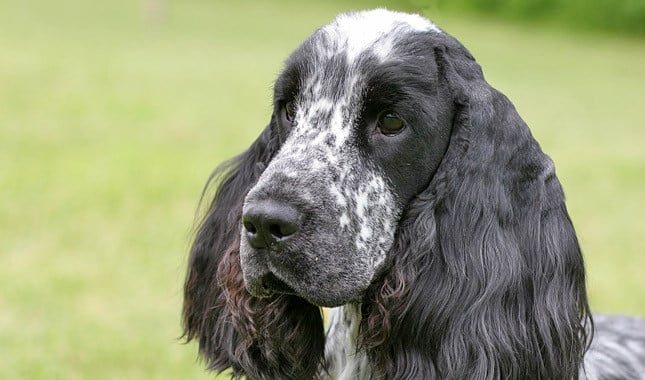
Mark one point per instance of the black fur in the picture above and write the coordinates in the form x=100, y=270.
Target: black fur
x=261, y=338
x=483, y=277
x=494, y=277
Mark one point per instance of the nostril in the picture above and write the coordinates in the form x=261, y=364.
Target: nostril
x=275, y=230
x=282, y=230
x=249, y=227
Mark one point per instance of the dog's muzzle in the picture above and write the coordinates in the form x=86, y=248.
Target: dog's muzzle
x=268, y=226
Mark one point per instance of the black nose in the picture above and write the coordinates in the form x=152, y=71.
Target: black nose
x=269, y=222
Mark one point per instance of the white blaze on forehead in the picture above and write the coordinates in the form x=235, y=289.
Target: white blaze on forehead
x=374, y=31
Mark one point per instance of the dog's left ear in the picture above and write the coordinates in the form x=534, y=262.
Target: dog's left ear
x=487, y=277
x=263, y=338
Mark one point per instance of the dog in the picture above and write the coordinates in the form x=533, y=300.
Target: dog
x=394, y=185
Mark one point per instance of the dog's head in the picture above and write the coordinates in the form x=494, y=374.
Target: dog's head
x=391, y=175
x=365, y=121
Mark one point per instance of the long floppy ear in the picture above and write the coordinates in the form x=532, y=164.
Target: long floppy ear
x=487, y=277
x=269, y=338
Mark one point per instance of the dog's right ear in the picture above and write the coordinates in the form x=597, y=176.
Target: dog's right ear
x=278, y=337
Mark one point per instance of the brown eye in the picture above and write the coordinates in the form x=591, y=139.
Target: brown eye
x=390, y=124
x=290, y=112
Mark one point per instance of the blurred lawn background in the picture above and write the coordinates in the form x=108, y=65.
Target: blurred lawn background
x=113, y=114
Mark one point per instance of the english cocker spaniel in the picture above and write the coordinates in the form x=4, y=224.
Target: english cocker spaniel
x=396, y=186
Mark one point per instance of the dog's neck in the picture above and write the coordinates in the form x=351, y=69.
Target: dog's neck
x=341, y=356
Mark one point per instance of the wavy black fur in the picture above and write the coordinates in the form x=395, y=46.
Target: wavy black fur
x=482, y=278
x=277, y=338
x=493, y=275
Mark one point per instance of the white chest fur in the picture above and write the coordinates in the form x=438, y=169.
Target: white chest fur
x=343, y=360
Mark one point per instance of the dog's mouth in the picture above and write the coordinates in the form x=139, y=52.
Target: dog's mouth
x=269, y=285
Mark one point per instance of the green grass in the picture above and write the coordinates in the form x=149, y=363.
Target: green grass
x=617, y=16
x=110, y=124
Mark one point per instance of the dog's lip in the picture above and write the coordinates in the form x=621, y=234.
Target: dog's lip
x=268, y=285
x=276, y=285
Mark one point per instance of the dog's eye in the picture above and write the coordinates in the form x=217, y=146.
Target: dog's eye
x=390, y=124
x=290, y=112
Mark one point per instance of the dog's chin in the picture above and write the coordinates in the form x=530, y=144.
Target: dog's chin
x=269, y=285
x=323, y=300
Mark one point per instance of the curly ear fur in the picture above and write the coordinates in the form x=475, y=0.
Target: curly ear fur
x=280, y=337
x=487, y=277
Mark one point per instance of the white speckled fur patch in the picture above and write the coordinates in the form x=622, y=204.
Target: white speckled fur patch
x=320, y=152
x=326, y=117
